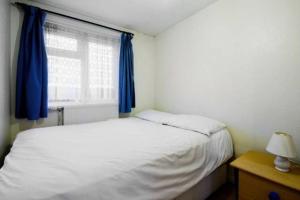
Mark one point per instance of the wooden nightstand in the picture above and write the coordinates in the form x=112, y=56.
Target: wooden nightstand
x=257, y=178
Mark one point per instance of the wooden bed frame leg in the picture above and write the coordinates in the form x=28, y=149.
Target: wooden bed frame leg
x=236, y=183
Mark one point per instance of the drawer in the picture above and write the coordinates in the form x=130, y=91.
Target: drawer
x=252, y=187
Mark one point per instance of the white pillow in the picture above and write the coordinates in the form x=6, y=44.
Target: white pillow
x=155, y=116
x=196, y=123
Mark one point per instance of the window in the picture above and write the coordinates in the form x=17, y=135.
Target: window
x=82, y=65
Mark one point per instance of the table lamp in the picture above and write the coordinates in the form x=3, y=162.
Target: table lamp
x=282, y=146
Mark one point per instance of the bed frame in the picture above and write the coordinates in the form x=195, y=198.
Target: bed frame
x=207, y=186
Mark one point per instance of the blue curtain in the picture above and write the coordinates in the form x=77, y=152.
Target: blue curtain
x=31, y=83
x=126, y=75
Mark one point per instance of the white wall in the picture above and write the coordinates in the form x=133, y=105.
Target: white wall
x=144, y=69
x=144, y=72
x=4, y=71
x=236, y=61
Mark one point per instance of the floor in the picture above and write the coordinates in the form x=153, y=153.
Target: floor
x=226, y=192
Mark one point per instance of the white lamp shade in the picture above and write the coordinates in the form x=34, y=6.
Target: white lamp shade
x=281, y=144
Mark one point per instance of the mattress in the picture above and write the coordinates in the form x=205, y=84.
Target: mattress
x=119, y=159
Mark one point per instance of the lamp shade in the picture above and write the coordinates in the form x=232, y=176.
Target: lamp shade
x=281, y=144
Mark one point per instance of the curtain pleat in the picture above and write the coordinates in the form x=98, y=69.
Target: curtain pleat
x=126, y=75
x=31, y=82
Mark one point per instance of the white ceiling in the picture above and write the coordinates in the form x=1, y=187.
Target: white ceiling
x=146, y=16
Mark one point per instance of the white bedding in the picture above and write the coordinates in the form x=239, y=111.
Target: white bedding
x=120, y=159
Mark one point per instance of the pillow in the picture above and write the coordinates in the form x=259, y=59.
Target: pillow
x=155, y=116
x=196, y=123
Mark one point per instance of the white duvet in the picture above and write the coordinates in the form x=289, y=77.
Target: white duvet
x=120, y=159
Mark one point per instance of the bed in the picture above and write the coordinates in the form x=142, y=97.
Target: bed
x=117, y=159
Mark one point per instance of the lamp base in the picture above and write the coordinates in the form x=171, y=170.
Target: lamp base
x=282, y=164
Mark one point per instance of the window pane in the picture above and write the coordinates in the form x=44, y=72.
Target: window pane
x=61, y=42
x=64, y=76
x=101, y=85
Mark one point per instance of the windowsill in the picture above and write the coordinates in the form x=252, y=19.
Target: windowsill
x=54, y=106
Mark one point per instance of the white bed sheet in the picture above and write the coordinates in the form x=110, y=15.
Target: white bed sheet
x=120, y=159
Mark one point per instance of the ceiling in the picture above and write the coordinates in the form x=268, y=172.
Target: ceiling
x=146, y=16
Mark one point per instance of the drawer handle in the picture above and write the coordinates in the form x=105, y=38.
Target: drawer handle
x=274, y=196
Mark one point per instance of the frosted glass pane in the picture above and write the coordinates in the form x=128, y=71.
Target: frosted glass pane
x=64, y=76
x=61, y=42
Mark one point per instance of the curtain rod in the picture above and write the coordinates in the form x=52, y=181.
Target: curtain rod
x=74, y=18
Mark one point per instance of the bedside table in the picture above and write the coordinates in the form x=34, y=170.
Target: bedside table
x=257, y=178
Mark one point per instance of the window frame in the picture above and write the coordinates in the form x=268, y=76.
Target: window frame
x=84, y=57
